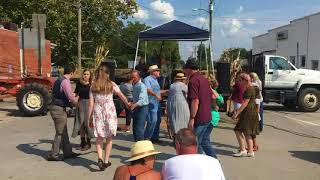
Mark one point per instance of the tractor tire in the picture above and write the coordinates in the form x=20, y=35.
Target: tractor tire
x=33, y=100
x=309, y=100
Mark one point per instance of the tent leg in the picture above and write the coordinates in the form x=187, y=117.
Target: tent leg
x=206, y=54
x=135, y=59
x=145, y=51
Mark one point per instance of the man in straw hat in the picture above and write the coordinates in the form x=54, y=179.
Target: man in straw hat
x=154, y=115
x=199, y=93
x=141, y=163
x=189, y=165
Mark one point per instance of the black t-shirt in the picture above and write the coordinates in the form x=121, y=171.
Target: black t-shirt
x=82, y=90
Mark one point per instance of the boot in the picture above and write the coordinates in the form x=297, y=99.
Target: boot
x=88, y=143
x=82, y=144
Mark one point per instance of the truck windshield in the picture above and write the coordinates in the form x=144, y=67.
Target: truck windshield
x=278, y=63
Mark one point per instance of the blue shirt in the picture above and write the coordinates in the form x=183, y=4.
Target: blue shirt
x=140, y=94
x=152, y=83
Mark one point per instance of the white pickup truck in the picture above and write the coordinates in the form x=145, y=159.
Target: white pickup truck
x=286, y=84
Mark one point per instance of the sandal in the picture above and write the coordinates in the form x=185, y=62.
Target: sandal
x=101, y=165
x=106, y=165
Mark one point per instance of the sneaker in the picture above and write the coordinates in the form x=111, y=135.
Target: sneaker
x=250, y=154
x=241, y=154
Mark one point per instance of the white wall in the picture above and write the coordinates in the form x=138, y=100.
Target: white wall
x=314, y=39
x=298, y=31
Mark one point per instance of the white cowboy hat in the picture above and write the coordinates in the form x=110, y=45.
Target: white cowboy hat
x=180, y=76
x=153, y=68
x=142, y=149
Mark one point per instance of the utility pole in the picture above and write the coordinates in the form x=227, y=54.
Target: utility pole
x=210, y=31
x=79, y=35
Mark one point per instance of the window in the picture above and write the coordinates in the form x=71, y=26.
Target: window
x=293, y=60
x=315, y=64
x=303, y=61
x=278, y=63
x=282, y=35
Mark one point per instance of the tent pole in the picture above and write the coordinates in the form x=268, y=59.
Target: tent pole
x=145, y=52
x=211, y=58
x=200, y=55
x=206, y=54
x=135, y=59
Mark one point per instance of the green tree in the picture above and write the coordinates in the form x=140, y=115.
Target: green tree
x=100, y=18
x=123, y=46
x=201, y=56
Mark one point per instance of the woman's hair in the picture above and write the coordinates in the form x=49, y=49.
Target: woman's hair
x=254, y=76
x=102, y=83
x=90, y=78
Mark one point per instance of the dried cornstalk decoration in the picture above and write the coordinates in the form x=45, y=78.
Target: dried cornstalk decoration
x=101, y=54
x=235, y=69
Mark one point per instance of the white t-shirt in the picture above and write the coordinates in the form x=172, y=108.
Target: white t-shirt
x=192, y=167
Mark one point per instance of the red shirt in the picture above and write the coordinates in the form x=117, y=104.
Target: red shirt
x=199, y=88
x=237, y=93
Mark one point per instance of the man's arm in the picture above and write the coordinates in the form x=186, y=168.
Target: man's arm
x=193, y=111
x=66, y=88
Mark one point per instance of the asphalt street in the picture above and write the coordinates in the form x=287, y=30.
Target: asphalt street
x=289, y=149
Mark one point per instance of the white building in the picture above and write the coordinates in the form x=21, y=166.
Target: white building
x=298, y=41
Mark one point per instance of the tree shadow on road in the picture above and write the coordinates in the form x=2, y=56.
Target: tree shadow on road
x=31, y=149
x=311, y=156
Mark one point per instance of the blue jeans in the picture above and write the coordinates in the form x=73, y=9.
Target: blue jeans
x=203, y=132
x=261, y=116
x=151, y=120
x=139, y=118
x=156, y=131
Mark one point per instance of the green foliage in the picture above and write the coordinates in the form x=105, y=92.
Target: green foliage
x=201, y=56
x=123, y=46
x=100, y=18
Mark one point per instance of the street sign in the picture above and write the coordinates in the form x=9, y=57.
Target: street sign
x=39, y=19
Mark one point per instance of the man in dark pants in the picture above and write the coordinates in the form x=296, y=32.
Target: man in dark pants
x=139, y=106
x=199, y=99
x=62, y=97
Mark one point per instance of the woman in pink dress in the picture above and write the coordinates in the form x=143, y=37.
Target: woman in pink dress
x=102, y=113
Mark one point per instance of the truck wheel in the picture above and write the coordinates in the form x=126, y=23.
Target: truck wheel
x=309, y=100
x=33, y=100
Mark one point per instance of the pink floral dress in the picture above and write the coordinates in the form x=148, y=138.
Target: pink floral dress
x=104, y=115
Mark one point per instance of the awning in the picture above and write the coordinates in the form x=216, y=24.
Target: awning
x=176, y=31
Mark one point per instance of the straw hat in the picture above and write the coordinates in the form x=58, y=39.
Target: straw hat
x=142, y=149
x=153, y=68
x=180, y=76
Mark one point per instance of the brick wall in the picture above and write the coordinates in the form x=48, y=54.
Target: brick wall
x=10, y=57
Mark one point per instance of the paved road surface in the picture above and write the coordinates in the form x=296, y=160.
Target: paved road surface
x=290, y=149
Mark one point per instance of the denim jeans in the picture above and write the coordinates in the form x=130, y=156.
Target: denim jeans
x=139, y=118
x=203, y=132
x=151, y=120
x=261, y=116
x=156, y=131
x=128, y=116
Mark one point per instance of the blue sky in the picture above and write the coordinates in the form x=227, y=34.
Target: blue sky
x=235, y=21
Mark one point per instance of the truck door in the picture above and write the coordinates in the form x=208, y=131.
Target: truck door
x=280, y=73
